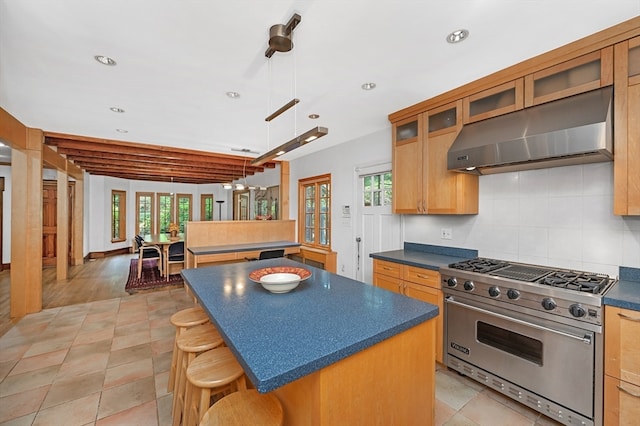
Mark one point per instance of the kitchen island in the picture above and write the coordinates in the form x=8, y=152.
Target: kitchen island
x=334, y=350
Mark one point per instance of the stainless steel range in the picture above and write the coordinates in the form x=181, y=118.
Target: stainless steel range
x=533, y=333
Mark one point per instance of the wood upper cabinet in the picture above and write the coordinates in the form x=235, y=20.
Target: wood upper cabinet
x=448, y=192
x=578, y=75
x=408, y=138
x=626, y=166
x=622, y=366
x=417, y=283
x=422, y=182
x=498, y=100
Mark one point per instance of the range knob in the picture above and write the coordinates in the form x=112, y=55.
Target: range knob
x=494, y=291
x=577, y=310
x=548, y=303
x=513, y=294
x=469, y=285
x=452, y=282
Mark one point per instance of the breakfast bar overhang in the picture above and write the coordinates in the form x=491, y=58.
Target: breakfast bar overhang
x=334, y=351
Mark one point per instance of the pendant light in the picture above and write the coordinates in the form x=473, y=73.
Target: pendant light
x=280, y=41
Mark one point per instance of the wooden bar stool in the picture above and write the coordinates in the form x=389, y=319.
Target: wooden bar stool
x=243, y=408
x=191, y=342
x=215, y=372
x=181, y=321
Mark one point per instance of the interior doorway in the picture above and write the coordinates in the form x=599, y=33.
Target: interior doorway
x=241, y=209
x=49, y=221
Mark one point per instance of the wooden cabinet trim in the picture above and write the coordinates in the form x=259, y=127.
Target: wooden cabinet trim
x=605, y=56
x=518, y=87
x=421, y=276
x=389, y=269
x=621, y=328
x=602, y=39
x=418, y=283
x=458, y=105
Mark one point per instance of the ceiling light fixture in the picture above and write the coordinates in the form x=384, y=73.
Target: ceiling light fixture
x=233, y=95
x=314, y=116
x=105, y=60
x=298, y=141
x=280, y=41
x=280, y=36
x=116, y=109
x=282, y=109
x=458, y=36
x=368, y=86
x=122, y=131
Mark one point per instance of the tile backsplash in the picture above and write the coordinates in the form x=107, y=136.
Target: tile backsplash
x=560, y=216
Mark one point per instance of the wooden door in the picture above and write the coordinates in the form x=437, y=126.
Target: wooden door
x=49, y=222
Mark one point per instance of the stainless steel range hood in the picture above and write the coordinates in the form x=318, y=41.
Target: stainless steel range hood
x=575, y=130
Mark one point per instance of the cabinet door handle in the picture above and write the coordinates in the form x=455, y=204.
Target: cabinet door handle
x=386, y=268
x=628, y=392
x=623, y=316
x=426, y=277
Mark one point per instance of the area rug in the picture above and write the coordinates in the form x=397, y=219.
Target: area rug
x=150, y=278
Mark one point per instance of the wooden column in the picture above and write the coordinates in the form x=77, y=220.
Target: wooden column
x=284, y=190
x=62, y=227
x=26, y=224
x=77, y=255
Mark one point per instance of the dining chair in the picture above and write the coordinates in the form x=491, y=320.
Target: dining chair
x=175, y=255
x=147, y=252
x=268, y=254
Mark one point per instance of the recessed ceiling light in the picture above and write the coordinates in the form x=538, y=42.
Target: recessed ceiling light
x=458, y=36
x=122, y=131
x=233, y=95
x=105, y=60
x=314, y=116
x=368, y=86
x=116, y=109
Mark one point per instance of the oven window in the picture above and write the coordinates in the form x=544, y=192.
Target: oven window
x=508, y=341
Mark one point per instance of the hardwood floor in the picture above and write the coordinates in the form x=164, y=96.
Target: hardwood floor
x=94, y=280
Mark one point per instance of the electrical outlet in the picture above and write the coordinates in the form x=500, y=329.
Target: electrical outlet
x=446, y=233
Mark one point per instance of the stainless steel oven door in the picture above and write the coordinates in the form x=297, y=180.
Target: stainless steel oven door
x=553, y=360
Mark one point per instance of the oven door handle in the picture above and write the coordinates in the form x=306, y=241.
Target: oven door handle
x=584, y=339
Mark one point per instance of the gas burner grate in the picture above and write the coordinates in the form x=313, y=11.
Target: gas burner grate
x=579, y=281
x=479, y=264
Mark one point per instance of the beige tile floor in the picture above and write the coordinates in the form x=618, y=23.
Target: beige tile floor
x=107, y=363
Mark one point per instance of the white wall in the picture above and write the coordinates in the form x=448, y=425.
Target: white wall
x=341, y=162
x=560, y=217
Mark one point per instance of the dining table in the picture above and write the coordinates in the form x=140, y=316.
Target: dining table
x=163, y=240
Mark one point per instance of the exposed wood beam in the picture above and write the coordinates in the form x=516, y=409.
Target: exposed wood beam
x=129, y=160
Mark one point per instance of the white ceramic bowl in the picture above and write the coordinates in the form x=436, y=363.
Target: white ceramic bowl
x=280, y=282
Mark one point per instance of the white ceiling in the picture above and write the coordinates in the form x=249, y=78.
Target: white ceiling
x=176, y=59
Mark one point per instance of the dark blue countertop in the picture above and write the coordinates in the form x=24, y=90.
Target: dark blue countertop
x=426, y=256
x=279, y=338
x=626, y=292
x=231, y=248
